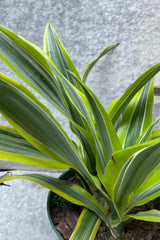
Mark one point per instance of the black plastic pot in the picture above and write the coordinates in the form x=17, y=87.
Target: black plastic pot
x=70, y=173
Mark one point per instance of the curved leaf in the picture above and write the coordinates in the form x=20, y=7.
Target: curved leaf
x=136, y=170
x=28, y=62
x=13, y=147
x=105, y=131
x=75, y=193
x=55, y=50
x=148, y=191
x=151, y=216
x=155, y=134
x=118, y=161
x=89, y=67
x=42, y=131
x=123, y=101
x=147, y=135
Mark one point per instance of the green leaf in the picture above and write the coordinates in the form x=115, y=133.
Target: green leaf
x=118, y=161
x=146, y=136
x=136, y=170
x=119, y=106
x=29, y=63
x=56, y=51
x=157, y=90
x=38, y=127
x=151, y=216
x=13, y=147
x=148, y=191
x=80, y=103
x=106, y=132
x=74, y=193
x=155, y=134
x=35, y=60
x=89, y=67
x=89, y=219
x=33, y=66
x=137, y=116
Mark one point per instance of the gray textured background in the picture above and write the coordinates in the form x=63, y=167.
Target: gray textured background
x=85, y=28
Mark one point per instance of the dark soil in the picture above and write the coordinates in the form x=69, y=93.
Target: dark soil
x=65, y=215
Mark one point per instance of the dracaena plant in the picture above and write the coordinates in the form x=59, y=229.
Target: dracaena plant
x=117, y=153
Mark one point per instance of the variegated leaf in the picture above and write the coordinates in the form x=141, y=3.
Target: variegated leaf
x=137, y=116
x=119, y=106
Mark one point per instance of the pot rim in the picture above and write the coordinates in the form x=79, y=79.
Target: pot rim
x=69, y=173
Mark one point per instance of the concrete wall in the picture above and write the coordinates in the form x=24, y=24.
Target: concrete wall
x=85, y=28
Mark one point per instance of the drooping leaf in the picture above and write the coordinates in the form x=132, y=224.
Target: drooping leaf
x=13, y=147
x=74, y=193
x=38, y=127
x=89, y=67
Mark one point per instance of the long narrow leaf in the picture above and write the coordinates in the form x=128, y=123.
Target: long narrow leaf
x=75, y=193
x=13, y=147
x=146, y=136
x=44, y=132
x=119, y=159
x=148, y=191
x=151, y=216
x=123, y=101
x=137, y=116
x=89, y=219
x=135, y=172
x=106, y=131
x=30, y=65
x=34, y=161
x=80, y=102
x=89, y=67
x=56, y=51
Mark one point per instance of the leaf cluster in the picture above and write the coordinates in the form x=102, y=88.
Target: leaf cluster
x=117, y=152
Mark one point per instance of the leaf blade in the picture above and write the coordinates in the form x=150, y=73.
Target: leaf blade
x=56, y=51
x=44, y=132
x=89, y=219
x=151, y=216
x=89, y=67
x=29, y=63
x=13, y=147
x=123, y=101
x=75, y=193
x=137, y=116
x=135, y=172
